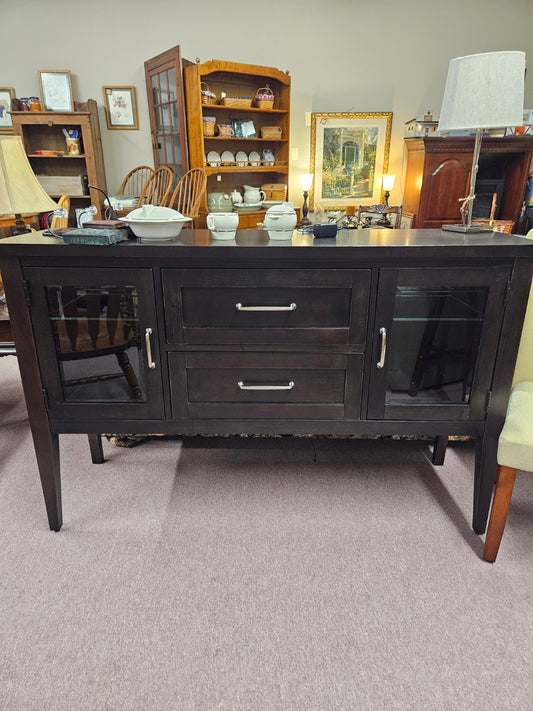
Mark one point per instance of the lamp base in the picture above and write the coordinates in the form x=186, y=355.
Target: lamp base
x=20, y=227
x=466, y=229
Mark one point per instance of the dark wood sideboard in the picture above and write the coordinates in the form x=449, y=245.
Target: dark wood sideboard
x=372, y=332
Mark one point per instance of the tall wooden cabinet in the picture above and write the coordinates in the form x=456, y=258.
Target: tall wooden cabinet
x=227, y=81
x=63, y=173
x=438, y=174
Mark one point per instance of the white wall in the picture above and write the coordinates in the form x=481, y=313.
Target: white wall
x=342, y=55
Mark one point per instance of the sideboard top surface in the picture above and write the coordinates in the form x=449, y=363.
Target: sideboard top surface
x=348, y=244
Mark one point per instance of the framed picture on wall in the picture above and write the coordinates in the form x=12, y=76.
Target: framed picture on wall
x=6, y=94
x=349, y=154
x=120, y=107
x=56, y=90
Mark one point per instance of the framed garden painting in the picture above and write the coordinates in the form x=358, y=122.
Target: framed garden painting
x=120, y=107
x=349, y=154
x=6, y=94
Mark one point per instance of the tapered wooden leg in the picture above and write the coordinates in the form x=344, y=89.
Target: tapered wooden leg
x=95, y=445
x=500, y=507
x=439, y=449
x=47, y=451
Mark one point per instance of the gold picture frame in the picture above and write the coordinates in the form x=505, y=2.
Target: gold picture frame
x=120, y=107
x=349, y=155
x=56, y=90
x=6, y=94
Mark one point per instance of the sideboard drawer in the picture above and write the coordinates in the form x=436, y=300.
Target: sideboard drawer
x=266, y=385
x=262, y=306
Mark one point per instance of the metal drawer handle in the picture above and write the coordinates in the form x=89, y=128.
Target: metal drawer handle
x=383, y=333
x=289, y=386
x=240, y=307
x=147, y=335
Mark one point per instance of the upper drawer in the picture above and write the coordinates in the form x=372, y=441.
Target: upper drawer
x=266, y=306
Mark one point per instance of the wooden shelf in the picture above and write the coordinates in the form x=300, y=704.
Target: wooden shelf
x=237, y=80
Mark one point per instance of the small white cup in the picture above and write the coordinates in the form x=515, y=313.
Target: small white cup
x=223, y=225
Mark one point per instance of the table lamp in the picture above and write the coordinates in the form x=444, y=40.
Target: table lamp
x=387, y=183
x=20, y=191
x=306, y=180
x=482, y=91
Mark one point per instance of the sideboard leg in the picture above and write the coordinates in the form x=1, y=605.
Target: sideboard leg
x=95, y=445
x=440, y=443
x=484, y=478
x=47, y=451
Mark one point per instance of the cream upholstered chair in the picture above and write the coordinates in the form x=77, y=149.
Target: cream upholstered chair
x=515, y=444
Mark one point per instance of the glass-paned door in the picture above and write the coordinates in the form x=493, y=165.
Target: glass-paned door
x=164, y=85
x=98, y=336
x=432, y=341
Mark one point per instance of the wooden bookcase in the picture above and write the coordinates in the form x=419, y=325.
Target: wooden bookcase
x=238, y=80
x=438, y=174
x=43, y=130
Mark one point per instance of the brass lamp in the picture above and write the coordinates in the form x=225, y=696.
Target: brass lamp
x=20, y=191
x=306, y=180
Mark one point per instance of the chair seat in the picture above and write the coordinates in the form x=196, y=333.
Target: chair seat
x=515, y=445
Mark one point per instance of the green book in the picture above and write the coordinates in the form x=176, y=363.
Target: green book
x=88, y=235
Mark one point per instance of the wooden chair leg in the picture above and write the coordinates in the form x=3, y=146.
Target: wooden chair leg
x=95, y=445
x=500, y=506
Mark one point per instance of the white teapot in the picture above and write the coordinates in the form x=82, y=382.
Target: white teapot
x=236, y=197
x=253, y=196
x=280, y=220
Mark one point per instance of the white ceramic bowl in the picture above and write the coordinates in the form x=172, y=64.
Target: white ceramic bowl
x=155, y=222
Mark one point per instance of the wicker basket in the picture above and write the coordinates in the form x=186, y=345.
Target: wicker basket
x=274, y=191
x=237, y=102
x=264, y=98
x=208, y=97
x=208, y=126
x=271, y=132
x=505, y=226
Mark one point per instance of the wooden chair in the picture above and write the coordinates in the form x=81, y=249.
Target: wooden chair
x=515, y=444
x=156, y=190
x=376, y=216
x=187, y=197
x=135, y=180
x=57, y=222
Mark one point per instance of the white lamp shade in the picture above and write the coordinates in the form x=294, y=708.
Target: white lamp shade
x=20, y=191
x=387, y=181
x=484, y=91
x=306, y=180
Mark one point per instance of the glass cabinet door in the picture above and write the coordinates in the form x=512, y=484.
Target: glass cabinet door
x=100, y=349
x=435, y=329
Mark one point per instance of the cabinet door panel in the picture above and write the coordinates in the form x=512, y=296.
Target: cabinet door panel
x=434, y=342
x=91, y=329
x=449, y=180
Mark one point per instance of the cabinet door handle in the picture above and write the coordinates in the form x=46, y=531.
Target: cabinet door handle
x=147, y=335
x=290, y=307
x=383, y=334
x=289, y=386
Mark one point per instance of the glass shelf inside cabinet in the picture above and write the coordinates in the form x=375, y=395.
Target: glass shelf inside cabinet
x=434, y=343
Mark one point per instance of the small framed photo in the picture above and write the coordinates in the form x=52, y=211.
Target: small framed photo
x=56, y=90
x=407, y=220
x=6, y=94
x=120, y=107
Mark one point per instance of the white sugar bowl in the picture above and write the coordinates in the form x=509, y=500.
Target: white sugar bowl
x=280, y=220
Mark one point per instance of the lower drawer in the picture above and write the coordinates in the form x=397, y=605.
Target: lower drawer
x=266, y=385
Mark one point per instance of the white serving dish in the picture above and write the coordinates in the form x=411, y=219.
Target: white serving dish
x=153, y=223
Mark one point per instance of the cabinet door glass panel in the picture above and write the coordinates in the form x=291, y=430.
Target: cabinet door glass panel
x=434, y=343
x=97, y=343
